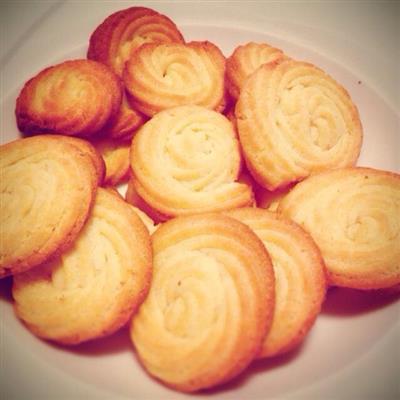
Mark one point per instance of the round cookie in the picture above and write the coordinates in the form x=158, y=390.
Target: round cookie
x=76, y=98
x=210, y=304
x=295, y=120
x=244, y=60
x=162, y=76
x=300, y=281
x=122, y=32
x=186, y=160
x=353, y=214
x=112, y=43
x=48, y=183
x=92, y=289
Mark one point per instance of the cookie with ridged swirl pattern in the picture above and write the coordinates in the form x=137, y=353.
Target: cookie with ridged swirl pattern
x=48, y=184
x=122, y=32
x=210, y=304
x=115, y=39
x=353, y=214
x=300, y=279
x=244, y=60
x=295, y=120
x=76, y=98
x=92, y=289
x=166, y=75
x=186, y=160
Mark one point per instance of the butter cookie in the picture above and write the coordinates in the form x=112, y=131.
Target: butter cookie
x=92, y=289
x=295, y=120
x=353, y=214
x=210, y=304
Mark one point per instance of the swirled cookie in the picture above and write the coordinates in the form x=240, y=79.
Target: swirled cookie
x=47, y=185
x=353, y=214
x=244, y=60
x=300, y=281
x=116, y=158
x=91, y=290
x=210, y=304
x=122, y=32
x=77, y=98
x=295, y=120
x=161, y=76
x=186, y=160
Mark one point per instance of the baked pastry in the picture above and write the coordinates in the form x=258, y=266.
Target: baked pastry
x=48, y=183
x=116, y=157
x=300, y=281
x=126, y=123
x=210, y=304
x=244, y=60
x=77, y=98
x=186, y=160
x=92, y=289
x=161, y=76
x=115, y=39
x=353, y=215
x=122, y=32
x=295, y=120
x=88, y=148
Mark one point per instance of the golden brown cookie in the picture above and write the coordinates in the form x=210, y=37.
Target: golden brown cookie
x=300, y=281
x=295, y=120
x=92, y=289
x=126, y=123
x=244, y=60
x=186, y=160
x=210, y=304
x=122, y=32
x=91, y=151
x=353, y=214
x=116, y=157
x=161, y=76
x=48, y=183
x=76, y=98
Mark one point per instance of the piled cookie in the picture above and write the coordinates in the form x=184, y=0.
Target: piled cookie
x=207, y=278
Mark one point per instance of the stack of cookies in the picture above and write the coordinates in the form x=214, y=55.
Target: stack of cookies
x=243, y=201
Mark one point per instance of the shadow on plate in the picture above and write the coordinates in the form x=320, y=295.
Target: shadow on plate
x=115, y=343
x=5, y=289
x=256, y=367
x=344, y=302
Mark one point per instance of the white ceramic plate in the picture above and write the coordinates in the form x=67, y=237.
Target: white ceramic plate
x=353, y=349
